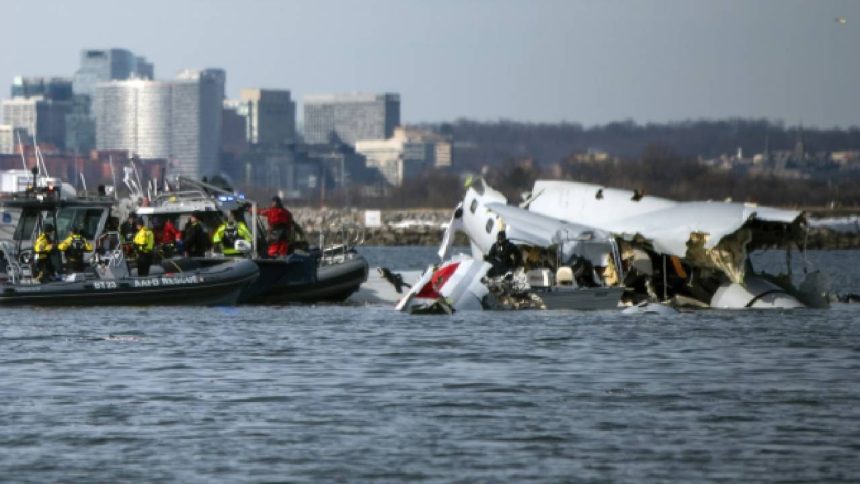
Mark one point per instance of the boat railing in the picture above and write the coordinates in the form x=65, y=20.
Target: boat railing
x=349, y=236
x=180, y=197
x=18, y=263
x=109, y=258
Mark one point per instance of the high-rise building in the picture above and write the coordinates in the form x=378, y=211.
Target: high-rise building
x=54, y=88
x=271, y=116
x=38, y=108
x=350, y=117
x=38, y=118
x=100, y=65
x=80, y=125
x=7, y=139
x=234, y=120
x=198, y=97
x=177, y=120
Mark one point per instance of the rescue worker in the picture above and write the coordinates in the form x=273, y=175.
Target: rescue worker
x=280, y=221
x=503, y=255
x=74, y=247
x=195, y=240
x=128, y=229
x=44, y=248
x=166, y=236
x=228, y=233
x=144, y=243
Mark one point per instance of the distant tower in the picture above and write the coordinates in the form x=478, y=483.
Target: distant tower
x=799, y=151
x=767, y=149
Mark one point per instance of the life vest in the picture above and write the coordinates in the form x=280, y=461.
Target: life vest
x=43, y=246
x=230, y=235
x=77, y=247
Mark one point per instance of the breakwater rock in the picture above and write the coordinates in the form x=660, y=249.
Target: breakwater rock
x=827, y=239
x=394, y=227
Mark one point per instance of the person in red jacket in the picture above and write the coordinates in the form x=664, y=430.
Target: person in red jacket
x=280, y=221
x=166, y=236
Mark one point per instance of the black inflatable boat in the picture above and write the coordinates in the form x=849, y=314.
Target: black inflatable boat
x=302, y=278
x=200, y=282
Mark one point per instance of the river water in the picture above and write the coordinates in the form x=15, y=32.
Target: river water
x=338, y=393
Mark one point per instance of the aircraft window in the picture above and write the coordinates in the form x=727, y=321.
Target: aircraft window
x=490, y=223
x=474, y=205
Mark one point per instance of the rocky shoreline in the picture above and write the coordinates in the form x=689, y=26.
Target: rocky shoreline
x=427, y=226
x=398, y=227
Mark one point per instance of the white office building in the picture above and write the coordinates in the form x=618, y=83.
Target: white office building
x=177, y=120
x=350, y=117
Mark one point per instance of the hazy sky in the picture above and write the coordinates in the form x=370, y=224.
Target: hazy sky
x=580, y=61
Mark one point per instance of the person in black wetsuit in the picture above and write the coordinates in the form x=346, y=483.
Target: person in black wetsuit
x=128, y=229
x=503, y=255
x=194, y=237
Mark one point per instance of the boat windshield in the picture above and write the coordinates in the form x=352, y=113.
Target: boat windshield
x=27, y=224
x=89, y=220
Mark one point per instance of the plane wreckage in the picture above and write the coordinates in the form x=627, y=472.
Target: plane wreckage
x=586, y=246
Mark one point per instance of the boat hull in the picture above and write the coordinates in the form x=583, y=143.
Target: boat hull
x=298, y=280
x=215, y=284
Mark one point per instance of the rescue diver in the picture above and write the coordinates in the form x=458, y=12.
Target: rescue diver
x=393, y=278
x=144, y=243
x=280, y=221
x=44, y=248
x=74, y=246
x=228, y=233
x=503, y=255
x=195, y=240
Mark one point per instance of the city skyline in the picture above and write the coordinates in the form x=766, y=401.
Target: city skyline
x=545, y=61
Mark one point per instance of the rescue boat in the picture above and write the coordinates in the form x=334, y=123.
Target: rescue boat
x=108, y=278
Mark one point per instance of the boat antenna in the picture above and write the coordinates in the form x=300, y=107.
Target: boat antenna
x=133, y=188
x=83, y=181
x=203, y=185
x=40, y=160
x=113, y=176
x=21, y=148
x=136, y=173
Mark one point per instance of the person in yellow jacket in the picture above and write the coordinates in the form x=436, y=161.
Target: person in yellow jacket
x=43, y=248
x=228, y=233
x=144, y=243
x=74, y=247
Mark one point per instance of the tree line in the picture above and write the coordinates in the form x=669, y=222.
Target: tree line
x=486, y=143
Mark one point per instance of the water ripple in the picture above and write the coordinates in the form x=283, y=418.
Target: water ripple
x=343, y=394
